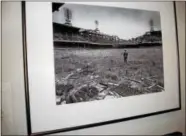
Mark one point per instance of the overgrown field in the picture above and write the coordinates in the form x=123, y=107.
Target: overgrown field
x=95, y=74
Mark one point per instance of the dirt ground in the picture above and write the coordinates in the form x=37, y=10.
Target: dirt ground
x=95, y=74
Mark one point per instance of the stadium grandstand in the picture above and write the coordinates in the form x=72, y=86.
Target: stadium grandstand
x=65, y=35
x=74, y=36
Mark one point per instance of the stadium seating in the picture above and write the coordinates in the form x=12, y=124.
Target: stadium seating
x=106, y=39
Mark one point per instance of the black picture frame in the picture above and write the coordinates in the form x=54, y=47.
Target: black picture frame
x=27, y=101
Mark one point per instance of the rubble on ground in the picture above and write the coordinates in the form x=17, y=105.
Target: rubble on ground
x=91, y=88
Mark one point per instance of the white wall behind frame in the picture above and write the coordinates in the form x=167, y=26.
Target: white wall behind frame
x=14, y=117
x=13, y=73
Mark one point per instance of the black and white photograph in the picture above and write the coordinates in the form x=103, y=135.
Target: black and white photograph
x=103, y=53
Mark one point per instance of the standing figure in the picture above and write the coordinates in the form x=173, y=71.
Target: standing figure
x=125, y=56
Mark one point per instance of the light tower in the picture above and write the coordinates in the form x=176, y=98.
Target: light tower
x=151, y=24
x=96, y=24
x=68, y=16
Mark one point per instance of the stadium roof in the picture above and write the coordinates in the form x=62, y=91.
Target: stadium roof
x=56, y=6
x=65, y=28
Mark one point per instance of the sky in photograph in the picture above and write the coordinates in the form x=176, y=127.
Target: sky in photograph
x=123, y=22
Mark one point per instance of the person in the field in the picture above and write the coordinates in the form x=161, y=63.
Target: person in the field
x=125, y=56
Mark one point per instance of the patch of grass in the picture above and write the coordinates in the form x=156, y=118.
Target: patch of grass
x=110, y=75
x=125, y=90
x=62, y=89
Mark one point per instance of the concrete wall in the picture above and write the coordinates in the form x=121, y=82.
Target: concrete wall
x=14, y=115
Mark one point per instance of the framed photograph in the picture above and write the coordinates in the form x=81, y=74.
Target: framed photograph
x=91, y=64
